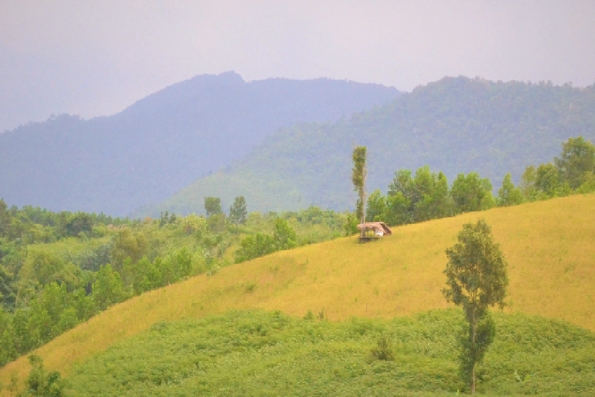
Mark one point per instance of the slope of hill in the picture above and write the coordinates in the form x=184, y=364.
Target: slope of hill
x=456, y=125
x=163, y=142
x=548, y=245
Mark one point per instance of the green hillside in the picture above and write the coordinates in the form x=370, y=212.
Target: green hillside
x=271, y=354
x=455, y=125
x=548, y=245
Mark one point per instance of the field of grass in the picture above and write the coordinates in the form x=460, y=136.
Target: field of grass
x=549, y=245
x=269, y=354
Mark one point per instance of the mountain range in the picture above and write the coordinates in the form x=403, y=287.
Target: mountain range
x=455, y=125
x=165, y=141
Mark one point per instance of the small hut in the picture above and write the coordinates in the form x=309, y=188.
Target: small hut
x=380, y=229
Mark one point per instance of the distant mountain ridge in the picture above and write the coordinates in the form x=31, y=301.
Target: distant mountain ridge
x=165, y=141
x=455, y=125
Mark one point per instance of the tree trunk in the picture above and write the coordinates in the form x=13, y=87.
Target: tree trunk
x=473, y=351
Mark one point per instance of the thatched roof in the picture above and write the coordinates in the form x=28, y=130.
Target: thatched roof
x=376, y=226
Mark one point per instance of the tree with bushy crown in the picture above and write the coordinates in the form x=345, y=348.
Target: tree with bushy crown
x=238, y=211
x=213, y=206
x=472, y=193
x=359, y=181
x=476, y=279
x=576, y=164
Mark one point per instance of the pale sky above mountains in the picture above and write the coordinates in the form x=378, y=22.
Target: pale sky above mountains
x=97, y=57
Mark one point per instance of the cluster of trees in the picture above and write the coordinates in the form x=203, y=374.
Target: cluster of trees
x=260, y=244
x=572, y=172
x=426, y=195
x=59, y=269
x=49, y=295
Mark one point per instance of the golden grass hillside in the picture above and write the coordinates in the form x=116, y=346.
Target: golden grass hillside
x=549, y=245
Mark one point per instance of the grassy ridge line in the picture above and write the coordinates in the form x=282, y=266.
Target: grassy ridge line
x=549, y=247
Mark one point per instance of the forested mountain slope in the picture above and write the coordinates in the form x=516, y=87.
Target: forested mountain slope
x=163, y=142
x=455, y=125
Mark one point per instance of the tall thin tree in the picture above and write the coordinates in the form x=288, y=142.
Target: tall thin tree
x=359, y=182
x=476, y=279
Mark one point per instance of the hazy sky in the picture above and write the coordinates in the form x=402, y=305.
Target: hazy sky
x=97, y=57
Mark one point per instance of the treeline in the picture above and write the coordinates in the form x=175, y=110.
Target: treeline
x=427, y=195
x=60, y=269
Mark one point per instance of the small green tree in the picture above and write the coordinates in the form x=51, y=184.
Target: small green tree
x=476, y=279
x=576, y=164
x=213, y=206
x=108, y=288
x=359, y=181
x=376, y=208
x=238, y=211
x=284, y=235
x=547, y=180
x=508, y=193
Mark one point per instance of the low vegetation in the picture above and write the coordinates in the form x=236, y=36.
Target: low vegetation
x=259, y=353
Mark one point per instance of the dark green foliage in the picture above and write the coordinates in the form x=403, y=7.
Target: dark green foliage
x=213, y=206
x=358, y=178
x=165, y=218
x=418, y=198
x=383, y=350
x=547, y=179
x=259, y=353
x=576, y=164
x=471, y=193
x=78, y=223
x=238, y=211
x=40, y=383
x=476, y=279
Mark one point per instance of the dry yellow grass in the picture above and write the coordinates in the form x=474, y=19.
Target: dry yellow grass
x=550, y=248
